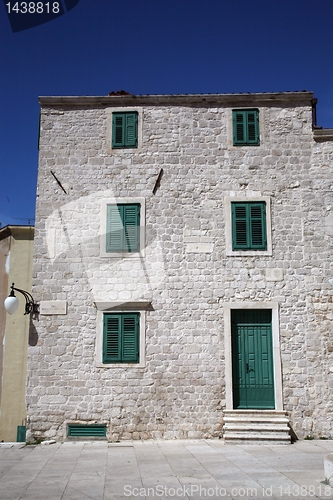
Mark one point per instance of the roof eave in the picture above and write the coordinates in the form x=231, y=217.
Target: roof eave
x=258, y=99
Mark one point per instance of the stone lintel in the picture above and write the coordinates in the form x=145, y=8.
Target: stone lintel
x=142, y=305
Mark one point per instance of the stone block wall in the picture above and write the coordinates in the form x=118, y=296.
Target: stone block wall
x=184, y=274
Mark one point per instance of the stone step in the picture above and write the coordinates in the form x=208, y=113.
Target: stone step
x=279, y=420
x=256, y=439
x=262, y=413
x=256, y=426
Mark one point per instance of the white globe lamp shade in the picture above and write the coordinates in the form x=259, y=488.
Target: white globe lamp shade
x=11, y=304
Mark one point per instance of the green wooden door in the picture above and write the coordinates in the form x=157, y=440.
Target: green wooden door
x=252, y=359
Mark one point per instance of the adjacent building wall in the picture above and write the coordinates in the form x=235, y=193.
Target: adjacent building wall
x=16, y=247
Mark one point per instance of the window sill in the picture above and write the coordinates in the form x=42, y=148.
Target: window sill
x=121, y=365
x=122, y=255
x=245, y=145
x=248, y=253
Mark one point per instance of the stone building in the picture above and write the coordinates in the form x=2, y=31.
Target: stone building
x=16, y=252
x=183, y=267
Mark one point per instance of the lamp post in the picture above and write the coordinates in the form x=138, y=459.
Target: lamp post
x=11, y=302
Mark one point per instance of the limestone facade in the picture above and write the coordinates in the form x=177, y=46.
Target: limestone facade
x=186, y=279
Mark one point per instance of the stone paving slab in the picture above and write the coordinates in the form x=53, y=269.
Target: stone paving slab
x=164, y=469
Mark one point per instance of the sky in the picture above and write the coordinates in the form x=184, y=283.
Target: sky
x=153, y=47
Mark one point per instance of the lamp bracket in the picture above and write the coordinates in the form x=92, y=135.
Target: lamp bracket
x=30, y=304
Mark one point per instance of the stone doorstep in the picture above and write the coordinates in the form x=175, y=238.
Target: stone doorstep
x=255, y=435
x=234, y=427
x=255, y=426
x=279, y=420
x=262, y=413
x=257, y=440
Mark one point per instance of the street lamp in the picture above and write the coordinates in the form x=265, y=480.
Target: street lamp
x=11, y=302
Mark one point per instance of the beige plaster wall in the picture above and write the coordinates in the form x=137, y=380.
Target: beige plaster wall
x=15, y=332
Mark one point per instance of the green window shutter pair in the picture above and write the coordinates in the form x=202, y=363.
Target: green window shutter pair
x=246, y=127
x=249, y=226
x=123, y=228
x=125, y=130
x=121, y=338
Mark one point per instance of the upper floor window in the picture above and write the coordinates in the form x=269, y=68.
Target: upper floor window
x=123, y=228
x=248, y=225
x=245, y=127
x=125, y=130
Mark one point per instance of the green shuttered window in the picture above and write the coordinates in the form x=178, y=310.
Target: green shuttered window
x=121, y=338
x=245, y=127
x=249, y=226
x=123, y=228
x=125, y=130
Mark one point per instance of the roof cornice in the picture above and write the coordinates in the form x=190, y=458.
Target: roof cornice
x=15, y=230
x=227, y=100
x=321, y=135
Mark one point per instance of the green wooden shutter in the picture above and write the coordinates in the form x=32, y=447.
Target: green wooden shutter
x=131, y=222
x=239, y=127
x=248, y=226
x=123, y=228
x=112, y=338
x=114, y=229
x=252, y=127
x=131, y=128
x=257, y=219
x=118, y=128
x=130, y=338
x=240, y=230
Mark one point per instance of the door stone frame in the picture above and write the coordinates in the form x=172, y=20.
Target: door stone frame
x=277, y=369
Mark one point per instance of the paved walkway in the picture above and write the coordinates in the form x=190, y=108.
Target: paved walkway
x=164, y=469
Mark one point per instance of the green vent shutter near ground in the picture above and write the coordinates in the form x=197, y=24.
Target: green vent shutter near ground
x=246, y=127
x=121, y=338
x=248, y=226
x=123, y=228
x=81, y=430
x=125, y=130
